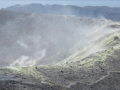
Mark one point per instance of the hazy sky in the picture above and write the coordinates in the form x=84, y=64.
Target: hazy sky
x=111, y=3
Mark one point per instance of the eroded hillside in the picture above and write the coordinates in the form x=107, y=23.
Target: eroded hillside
x=37, y=39
x=99, y=70
x=54, y=52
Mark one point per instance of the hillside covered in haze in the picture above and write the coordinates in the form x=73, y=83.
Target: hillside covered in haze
x=59, y=51
x=47, y=39
x=102, y=12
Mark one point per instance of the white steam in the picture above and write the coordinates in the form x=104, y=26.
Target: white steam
x=26, y=43
x=20, y=42
x=101, y=17
x=25, y=61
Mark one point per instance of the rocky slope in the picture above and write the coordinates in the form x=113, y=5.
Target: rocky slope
x=98, y=71
x=54, y=52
